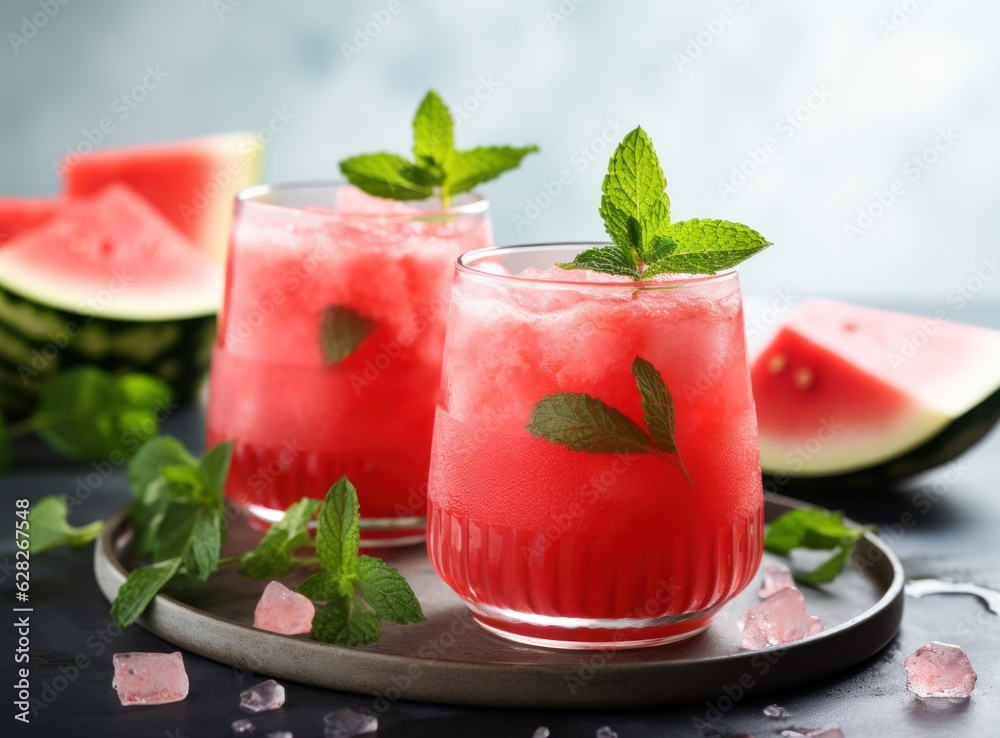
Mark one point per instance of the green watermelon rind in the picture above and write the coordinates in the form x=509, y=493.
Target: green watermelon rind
x=949, y=443
x=36, y=340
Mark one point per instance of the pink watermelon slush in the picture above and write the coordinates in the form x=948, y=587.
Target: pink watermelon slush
x=297, y=423
x=555, y=546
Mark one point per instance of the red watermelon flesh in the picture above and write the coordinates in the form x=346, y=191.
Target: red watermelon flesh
x=842, y=387
x=21, y=213
x=115, y=256
x=191, y=182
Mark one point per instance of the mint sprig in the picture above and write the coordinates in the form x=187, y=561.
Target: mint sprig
x=88, y=414
x=636, y=213
x=437, y=166
x=581, y=422
x=359, y=592
x=816, y=529
x=48, y=527
x=275, y=554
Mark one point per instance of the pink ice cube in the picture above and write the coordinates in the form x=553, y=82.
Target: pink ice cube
x=781, y=618
x=281, y=610
x=776, y=578
x=150, y=678
x=939, y=670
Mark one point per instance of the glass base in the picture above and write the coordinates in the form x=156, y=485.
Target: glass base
x=375, y=532
x=587, y=633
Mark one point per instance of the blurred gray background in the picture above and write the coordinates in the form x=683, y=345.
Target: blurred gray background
x=797, y=118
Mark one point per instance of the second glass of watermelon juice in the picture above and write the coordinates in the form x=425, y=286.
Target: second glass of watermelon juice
x=327, y=359
x=617, y=544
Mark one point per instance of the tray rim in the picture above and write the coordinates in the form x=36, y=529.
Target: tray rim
x=167, y=618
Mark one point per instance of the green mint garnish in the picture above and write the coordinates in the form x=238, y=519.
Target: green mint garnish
x=49, y=528
x=584, y=423
x=437, y=165
x=822, y=530
x=178, y=519
x=341, y=331
x=636, y=212
x=275, y=554
x=88, y=414
x=360, y=592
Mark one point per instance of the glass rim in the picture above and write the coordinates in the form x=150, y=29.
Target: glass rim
x=463, y=266
x=475, y=204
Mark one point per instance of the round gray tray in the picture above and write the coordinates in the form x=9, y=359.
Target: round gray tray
x=450, y=659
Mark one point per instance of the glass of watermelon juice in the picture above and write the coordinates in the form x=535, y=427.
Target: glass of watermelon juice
x=552, y=511
x=327, y=360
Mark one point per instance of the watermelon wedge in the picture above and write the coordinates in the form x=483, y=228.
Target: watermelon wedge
x=21, y=213
x=108, y=281
x=191, y=182
x=853, y=393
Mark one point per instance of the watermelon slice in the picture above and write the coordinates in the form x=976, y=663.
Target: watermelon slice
x=21, y=213
x=192, y=182
x=848, y=391
x=108, y=282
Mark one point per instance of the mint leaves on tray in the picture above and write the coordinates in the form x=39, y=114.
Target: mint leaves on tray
x=437, y=166
x=815, y=529
x=636, y=213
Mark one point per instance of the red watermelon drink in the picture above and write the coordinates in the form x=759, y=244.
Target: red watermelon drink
x=328, y=355
x=595, y=476
x=328, y=360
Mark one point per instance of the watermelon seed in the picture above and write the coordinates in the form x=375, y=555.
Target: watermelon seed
x=777, y=363
x=804, y=378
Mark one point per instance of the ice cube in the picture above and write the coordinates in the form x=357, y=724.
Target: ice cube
x=346, y=723
x=776, y=578
x=265, y=696
x=242, y=727
x=281, y=610
x=541, y=732
x=831, y=732
x=150, y=678
x=940, y=670
x=606, y=732
x=281, y=734
x=781, y=618
x=776, y=712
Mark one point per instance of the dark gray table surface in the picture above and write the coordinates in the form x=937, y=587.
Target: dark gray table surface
x=945, y=524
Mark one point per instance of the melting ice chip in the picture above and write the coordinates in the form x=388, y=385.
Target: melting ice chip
x=776, y=578
x=831, y=732
x=265, y=696
x=781, y=618
x=776, y=712
x=541, y=732
x=150, y=678
x=939, y=670
x=241, y=727
x=606, y=732
x=281, y=734
x=281, y=610
x=346, y=723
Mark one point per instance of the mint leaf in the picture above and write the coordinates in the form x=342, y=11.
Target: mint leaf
x=321, y=586
x=634, y=202
x=139, y=590
x=584, y=423
x=433, y=136
x=49, y=528
x=87, y=414
x=388, y=592
x=437, y=162
x=214, y=468
x=657, y=405
x=607, y=259
x=815, y=529
x=338, y=534
x=275, y=554
x=474, y=166
x=707, y=246
x=347, y=621
x=153, y=491
x=202, y=557
x=341, y=331
x=389, y=176
x=6, y=451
